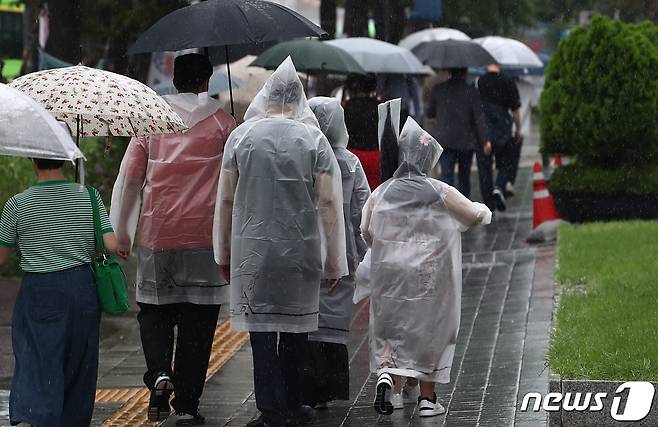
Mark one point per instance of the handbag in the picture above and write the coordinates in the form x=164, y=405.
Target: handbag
x=110, y=278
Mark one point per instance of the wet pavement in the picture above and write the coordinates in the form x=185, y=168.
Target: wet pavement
x=503, y=339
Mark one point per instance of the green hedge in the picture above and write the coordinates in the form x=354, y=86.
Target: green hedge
x=600, y=101
x=586, y=179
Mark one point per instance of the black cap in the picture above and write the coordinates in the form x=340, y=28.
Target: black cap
x=191, y=71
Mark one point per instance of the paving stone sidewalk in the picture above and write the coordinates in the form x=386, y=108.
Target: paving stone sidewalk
x=506, y=314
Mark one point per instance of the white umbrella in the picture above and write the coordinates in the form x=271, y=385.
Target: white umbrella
x=253, y=79
x=100, y=103
x=432, y=34
x=28, y=130
x=509, y=52
x=376, y=56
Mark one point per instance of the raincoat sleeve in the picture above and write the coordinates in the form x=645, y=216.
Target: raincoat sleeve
x=329, y=202
x=127, y=191
x=466, y=212
x=360, y=195
x=365, y=220
x=222, y=222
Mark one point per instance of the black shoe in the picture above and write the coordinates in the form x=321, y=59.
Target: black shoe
x=500, y=200
x=185, y=419
x=382, y=403
x=256, y=422
x=303, y=415
x=159, y=408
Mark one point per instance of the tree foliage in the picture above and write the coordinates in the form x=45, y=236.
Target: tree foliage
x=600, y=102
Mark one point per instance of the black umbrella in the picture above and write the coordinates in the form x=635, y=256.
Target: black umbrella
x=452, y=54
x=235, y=27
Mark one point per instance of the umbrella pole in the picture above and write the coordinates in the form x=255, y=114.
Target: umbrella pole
x=230, y=83
x=77, y=143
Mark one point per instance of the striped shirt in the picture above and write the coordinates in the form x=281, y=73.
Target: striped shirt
x=52, y=226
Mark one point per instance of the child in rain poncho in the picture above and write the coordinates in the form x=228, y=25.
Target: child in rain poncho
x=412, y=224
x=327, y=370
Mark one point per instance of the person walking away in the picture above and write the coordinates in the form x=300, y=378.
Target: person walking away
x=361, y=119
x=326, y=371
x=501, y=104
x=178, y=283
x=412, y=224
x=459, y=124
x=56, y=318
x=278, y=232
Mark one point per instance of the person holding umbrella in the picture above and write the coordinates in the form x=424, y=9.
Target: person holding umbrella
x=501, y=103
x=56, y=317
x=460, y=126
x=178, y=284
x=361, y=118
x=278, y=233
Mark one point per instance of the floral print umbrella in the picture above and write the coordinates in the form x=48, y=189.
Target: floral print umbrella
x=100, y=103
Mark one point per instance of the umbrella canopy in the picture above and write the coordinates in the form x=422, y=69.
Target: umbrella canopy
x=225, y=23
x=376, y=56
x=510, y=52
x=247, y=26
x=218, y=84
x=310, y=56
x=28, y=130
x=430, y=34
x=253, y=78
x=453, y=54
x=100, y=103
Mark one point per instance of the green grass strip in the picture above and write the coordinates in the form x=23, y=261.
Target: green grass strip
x=607, y=321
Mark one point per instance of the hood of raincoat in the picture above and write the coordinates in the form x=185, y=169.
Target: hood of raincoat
x=193, y=108
x=419, y=151
x=331, y=117
x=282, y=97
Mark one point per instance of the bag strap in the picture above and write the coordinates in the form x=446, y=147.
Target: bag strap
x=97, y=220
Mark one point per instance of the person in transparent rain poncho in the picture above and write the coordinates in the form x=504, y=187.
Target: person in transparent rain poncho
x=326, y=371
x=168, y=184
x=412, y=224
x=278, y=232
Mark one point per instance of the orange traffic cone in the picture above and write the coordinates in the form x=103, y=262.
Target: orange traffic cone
x=542, y=203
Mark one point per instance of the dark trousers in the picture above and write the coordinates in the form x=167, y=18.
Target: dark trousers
x=196, y=328
x=278, y=374
x=326, y=373
x=464, y=160
x=55, y=332
x=504, y=156
x=515, y=161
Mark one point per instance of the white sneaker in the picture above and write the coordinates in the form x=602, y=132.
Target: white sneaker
x=410, y=394
x=398, y=401
x=429, y=408
x=382, y=403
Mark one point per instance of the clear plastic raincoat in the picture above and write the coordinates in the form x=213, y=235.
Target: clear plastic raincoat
x=176, y=176
x=412, y=223
x=336, y=309
x=279, y=217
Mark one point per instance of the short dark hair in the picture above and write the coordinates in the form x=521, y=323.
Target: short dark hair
x=357, y=83
x=286, y=93
x=191, y=71
x=458, y=73
x=48, y=164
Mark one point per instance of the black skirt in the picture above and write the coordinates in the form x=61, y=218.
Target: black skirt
x=326, y=374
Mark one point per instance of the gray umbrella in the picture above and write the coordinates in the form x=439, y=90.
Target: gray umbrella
x=236, y=27
x=453, y=54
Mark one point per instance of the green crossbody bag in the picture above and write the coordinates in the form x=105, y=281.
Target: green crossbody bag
x=110, y=278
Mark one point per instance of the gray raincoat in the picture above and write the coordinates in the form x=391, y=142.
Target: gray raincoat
x=279, y=214
x=412, y=223
x=336, y=309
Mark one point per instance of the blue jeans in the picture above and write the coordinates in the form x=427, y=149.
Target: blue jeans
x=55, y=333
x=463, y=159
